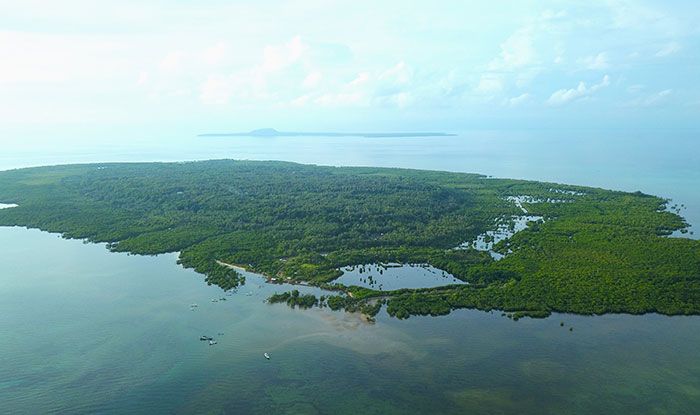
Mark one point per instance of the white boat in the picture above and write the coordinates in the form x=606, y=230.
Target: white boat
x=267, y=356
x=212, y=342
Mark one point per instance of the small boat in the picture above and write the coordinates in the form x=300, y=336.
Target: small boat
x=212, y=342
x=267, y=356
x=206, y=338
x=193, y=305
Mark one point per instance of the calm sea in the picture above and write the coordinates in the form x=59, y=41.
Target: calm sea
x=83, y=330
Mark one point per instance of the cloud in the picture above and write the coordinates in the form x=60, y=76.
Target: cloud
x=553, y=15
x=633, y=89
x=278, y=57
x=143, y=78
x=517, y=51
x=657, y=98
x=216, y=91
x=130, y=60
x=361, y=79
x=489, y=84
x=564, y=96
x=172, y=62
x=59, y=58
x=517, y=101
x=651, y=100
x=300, y=101
x=341, y=99
x=398, y=74
x=312, y=79
x=597, y=62
x=668, y=50
x=215, y=54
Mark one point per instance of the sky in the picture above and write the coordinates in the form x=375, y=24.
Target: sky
x=85, y=66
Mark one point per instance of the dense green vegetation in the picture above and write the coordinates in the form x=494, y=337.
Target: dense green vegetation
x=597, y=250
x=294, y=299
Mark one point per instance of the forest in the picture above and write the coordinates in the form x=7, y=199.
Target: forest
x=595, y=251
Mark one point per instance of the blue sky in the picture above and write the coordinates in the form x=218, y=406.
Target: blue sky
x=79, y=66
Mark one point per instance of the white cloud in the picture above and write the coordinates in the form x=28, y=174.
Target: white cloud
x=489, y=84
x=312, y=79
x=517, y=51
x=278, y=57
x=172, y=62
x=300, y=101
x=519, y=100
x=400, y=100
x=341, y=99
x=553, y=15
x=143, y=78
x=361, y=79
x=215, y=54
x=132, y=59
x=56, y=58
x=564, y=96
x=596, y=62
x=651, y=100
x=216, y=91
x=399, y=74
x=633, y=89
x=668, y=49
x=605, y=82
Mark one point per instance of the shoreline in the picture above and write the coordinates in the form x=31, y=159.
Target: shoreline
x=274, y=280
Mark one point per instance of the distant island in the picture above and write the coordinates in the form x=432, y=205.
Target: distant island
x=569, y=248
x=271, y=132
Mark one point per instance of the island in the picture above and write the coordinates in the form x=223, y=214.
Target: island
x=271, y=132
x=566, y=248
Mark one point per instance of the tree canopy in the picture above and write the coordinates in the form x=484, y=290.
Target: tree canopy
x=595, y=251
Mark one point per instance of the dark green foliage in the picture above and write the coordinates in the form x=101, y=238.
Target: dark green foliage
x=294, y=299
x=371, y=309
x=597, y=251
x=367, y=307
x=340, y=302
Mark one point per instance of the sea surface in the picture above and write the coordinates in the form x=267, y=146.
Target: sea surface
x=83, y=330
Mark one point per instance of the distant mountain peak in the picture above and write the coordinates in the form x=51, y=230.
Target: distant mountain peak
x=264, y=132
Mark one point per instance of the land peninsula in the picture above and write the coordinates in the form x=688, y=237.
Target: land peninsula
x=589, y=250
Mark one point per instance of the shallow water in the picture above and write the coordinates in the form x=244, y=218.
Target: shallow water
x=388, y=277
x=89, y=331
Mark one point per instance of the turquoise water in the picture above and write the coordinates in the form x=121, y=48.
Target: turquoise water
x=88, y=331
